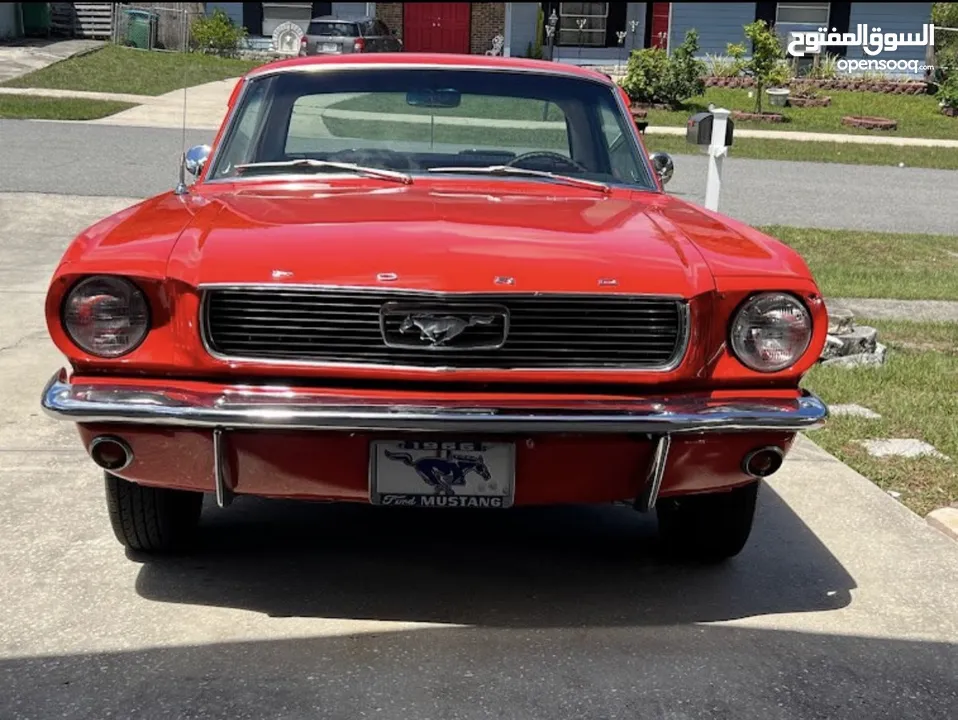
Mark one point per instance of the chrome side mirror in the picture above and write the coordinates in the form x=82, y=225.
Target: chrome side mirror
x=663, y=166
x=195, y=159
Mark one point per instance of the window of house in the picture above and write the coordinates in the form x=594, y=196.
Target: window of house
x=592, y=16
x=803, y=14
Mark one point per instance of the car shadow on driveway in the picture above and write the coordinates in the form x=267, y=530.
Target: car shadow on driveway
x=527, y=567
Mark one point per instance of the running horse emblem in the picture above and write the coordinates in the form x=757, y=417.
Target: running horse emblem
x=443, y=474
x=439, y=330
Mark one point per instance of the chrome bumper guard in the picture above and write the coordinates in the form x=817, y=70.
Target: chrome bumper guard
x=283, y=408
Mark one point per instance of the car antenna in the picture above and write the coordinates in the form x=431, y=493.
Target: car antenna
x=181, y=188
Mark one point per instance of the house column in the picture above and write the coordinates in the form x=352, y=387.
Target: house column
x=507, y=32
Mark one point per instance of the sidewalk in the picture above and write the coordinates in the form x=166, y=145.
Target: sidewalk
x=886, y=309
x=206, y=105
x=800, y=136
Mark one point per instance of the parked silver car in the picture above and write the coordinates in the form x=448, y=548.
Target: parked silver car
x=334, y=36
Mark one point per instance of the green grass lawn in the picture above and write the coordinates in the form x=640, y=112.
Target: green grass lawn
x=917, y=115
x=139, y=72
x=847, y=263
x=44, y=108
x=916, y=393
x=827, y=152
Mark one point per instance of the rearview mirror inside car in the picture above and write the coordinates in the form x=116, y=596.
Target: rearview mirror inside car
x=434, y=98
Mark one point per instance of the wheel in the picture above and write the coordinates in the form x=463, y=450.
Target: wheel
x=707, y=528
x=149, y=519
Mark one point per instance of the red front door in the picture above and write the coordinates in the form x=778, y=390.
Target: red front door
x=436, y=27
x=660, y=25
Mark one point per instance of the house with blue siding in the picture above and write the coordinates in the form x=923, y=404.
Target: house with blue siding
x=600, y=33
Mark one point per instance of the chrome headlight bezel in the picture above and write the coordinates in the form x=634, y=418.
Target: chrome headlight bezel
x=762, y=304
x=134, y=310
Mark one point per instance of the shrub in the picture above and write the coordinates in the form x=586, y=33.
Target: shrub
x=653, y=77
x=727, y=66
x=765, y=64
x=825, y=69
x=216, y=34
x=947, y=94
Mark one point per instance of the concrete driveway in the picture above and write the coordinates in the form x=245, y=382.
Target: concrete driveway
x=844, y=604
x=28, y=55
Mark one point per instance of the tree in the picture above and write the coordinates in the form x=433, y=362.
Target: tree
x=765, y=65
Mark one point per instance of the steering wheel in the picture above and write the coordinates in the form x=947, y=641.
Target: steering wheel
x=548, y=154
x=378, y=156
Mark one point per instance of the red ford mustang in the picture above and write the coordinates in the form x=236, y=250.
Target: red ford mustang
x=440, y=281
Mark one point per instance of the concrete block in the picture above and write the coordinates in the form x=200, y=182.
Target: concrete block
x=900, y=447
x=946, y=520
x=840, y=321
x=854, y=411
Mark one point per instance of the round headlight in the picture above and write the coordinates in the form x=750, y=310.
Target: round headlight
x=106, y=316
x=771, y=331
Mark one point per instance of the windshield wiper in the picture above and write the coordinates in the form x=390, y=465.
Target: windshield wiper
x=510, y=170
x=310, y=164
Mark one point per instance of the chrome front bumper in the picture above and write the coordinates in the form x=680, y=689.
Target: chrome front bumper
x=240, y=407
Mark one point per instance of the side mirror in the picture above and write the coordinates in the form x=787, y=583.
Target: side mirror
x=663, y=166
x=195, y=159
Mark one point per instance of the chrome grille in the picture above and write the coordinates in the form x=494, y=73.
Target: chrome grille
x=345, y=326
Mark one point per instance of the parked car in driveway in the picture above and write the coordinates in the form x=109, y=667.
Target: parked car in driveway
x=335, y=36
x=435, y=281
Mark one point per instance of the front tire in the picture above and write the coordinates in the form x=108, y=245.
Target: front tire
x=709, y=528
x=149, y=519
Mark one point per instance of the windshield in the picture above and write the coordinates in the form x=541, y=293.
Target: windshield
x=333, y=29
x=417, y=120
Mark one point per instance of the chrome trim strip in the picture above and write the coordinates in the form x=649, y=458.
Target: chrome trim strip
x=650, y=493
x=152, y=403
x=320, y=287
x=224, y=493
x=684, y=332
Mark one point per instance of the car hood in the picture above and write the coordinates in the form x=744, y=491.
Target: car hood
x=455, y=238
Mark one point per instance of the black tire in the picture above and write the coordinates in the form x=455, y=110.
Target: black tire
x=152, y=520
x=707, y=528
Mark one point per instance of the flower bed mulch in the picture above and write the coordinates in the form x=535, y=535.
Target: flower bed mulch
x=645, y=107
x=806, y=101
x=950, y=111
x=763, y=117
x=870, y=123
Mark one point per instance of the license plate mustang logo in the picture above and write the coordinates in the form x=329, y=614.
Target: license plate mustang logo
x=442, y=474
x=444, y=327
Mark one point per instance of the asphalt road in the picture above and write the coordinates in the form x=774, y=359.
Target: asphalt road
x=843, y=605
x=98, y=160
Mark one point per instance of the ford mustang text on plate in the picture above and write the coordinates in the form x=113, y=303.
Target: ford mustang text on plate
x=435, y=281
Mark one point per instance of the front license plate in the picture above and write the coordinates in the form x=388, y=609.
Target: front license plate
x=329, y=47
x=442, y=474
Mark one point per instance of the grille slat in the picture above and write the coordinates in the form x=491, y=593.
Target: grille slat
x=327, y=325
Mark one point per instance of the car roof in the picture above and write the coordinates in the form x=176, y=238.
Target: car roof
x=333, y=18
x=493, y=62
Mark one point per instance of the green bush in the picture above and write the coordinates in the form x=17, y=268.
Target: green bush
x=652, y=76
x=947, y=93
x=216, y=34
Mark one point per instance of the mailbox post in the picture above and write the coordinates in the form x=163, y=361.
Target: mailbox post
x=714, y=130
